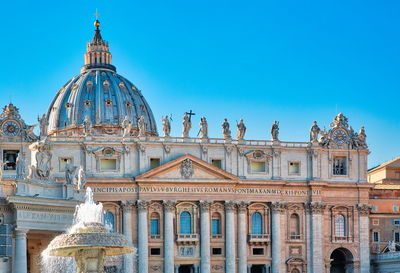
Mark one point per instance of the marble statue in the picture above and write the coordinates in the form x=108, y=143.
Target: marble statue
x=241, y=130
x=43, y=158
x=226, y=132
x=20, y=167
x=29, y=134
x=69, y=173
x=392, y=246
x=87, y=126
x=142, y=126
x=81, y=178
x=187, y=125
x=203, y=132
x=275, y=131
x=362, y=137
x=166, y=126
x=314, y=132
x=43, y=125
x=126, y=125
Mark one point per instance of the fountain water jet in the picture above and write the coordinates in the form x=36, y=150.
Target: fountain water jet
x=88, y=241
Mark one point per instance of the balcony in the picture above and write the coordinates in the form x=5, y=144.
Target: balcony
x=154, y=236
x=342, y=239
x=295, y=237
x=258, y=239
x=216, y=236
x=187, y=239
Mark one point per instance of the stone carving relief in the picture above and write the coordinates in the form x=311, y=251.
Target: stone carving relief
x=364, y=209
x=11, y=125
x=186, y=168
x=43, y=157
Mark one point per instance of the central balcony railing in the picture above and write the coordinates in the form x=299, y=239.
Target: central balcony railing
x=187, y=239
x=258, y=239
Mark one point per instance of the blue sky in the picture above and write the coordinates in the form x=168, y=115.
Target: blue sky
x=292, y=61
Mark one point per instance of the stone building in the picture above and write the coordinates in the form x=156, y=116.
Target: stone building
x=385, y=216
x=190, y=205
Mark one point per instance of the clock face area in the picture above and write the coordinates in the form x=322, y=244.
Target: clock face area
x=339, y=136
x=10, y=128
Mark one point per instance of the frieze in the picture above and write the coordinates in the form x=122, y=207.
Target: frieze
x=44, y=217
x=210, y=190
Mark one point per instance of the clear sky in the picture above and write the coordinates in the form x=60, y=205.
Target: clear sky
x=292, y=61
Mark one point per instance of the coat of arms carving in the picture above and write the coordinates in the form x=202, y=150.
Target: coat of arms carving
x=187, y=168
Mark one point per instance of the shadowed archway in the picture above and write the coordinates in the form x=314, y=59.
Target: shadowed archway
x=342, y=261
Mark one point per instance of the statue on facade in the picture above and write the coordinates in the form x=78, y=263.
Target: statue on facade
x=142, y=126
x=43, y=125
x=362, y=137
x=87, y=126
x=187, y=125
x=314, y=132
x=275, y=131
x=43, y=158
x=81, y=178
x=69, y=173
x=29, y=135
x=241, y=130
x=166, y=126
x=203, y=132
x=126, y=125
x=340, y=121
x=20, y=167
x=391, y=246
x=226, y=131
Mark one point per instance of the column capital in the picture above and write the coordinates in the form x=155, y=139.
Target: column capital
x=21, y=231
x=169, y=205
x=364, y=209
x=316, y=207
x=242, y=206
x=127, y=205
x=205, y=205
x=142, y=204
x=230, y=205
x=278, y=207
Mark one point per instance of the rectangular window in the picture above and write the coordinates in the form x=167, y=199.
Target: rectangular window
x=10, y=159
x=340, y=165
x=215, y=227
x=217, y=251
x=396, y=222
x=257, y=167
x=154, y=163
x=155, y=251
x=294, y=167
x=397, y=237
x=108, y=164
x=216, y=163
x=62, y=162
x=396, y=208
x=258, y=251
x=376, y=236
x=154, y=227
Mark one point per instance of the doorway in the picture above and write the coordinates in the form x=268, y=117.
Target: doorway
x=342, y=261
x=257, y=268
x=186, y=268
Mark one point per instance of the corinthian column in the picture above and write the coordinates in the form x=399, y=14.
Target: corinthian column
x=127, y=231
x=205, y=262
x=169, y=208
x=230, y=249
x=143, y=239
x=363, y=212
x=278, y=209
x=21, y=262
x=242, y=234
x=317, y=210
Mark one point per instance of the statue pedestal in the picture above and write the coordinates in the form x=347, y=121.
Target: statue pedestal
x=68, y=191
x=276, y=143
x=228, y=140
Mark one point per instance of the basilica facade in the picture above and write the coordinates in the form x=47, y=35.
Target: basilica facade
x=189, y=205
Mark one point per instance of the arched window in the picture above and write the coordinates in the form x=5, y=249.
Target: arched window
x=109, y=221
x=294, y=226
x=185, y=223
x=295, y=270
x=216, y=224
x=256, y=223
x=154, y=224
x=340, y=226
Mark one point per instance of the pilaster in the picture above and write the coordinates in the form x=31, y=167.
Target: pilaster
x=278, y=209
x=21, y=261
x=205, y=262
x=169, y=209
x=242, y=234
x=143, y=239
x=230, y=249
x=317, y=258
x=363, y=213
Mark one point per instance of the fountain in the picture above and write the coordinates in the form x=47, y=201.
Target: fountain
x=89, y=241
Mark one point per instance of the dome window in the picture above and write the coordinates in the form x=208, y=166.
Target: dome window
x=87, y=102
x=106, y=83
x=128, y=104
x=89, y=84
x=108, y=102
x=134, y=88
x=68, y=105
x=103, y=73
x=121, y=85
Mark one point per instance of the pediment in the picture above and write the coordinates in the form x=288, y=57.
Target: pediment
x=187, y=168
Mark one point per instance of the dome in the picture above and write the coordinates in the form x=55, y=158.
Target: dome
x=99, y=95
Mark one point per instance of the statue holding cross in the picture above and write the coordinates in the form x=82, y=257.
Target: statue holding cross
x=187, y=123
